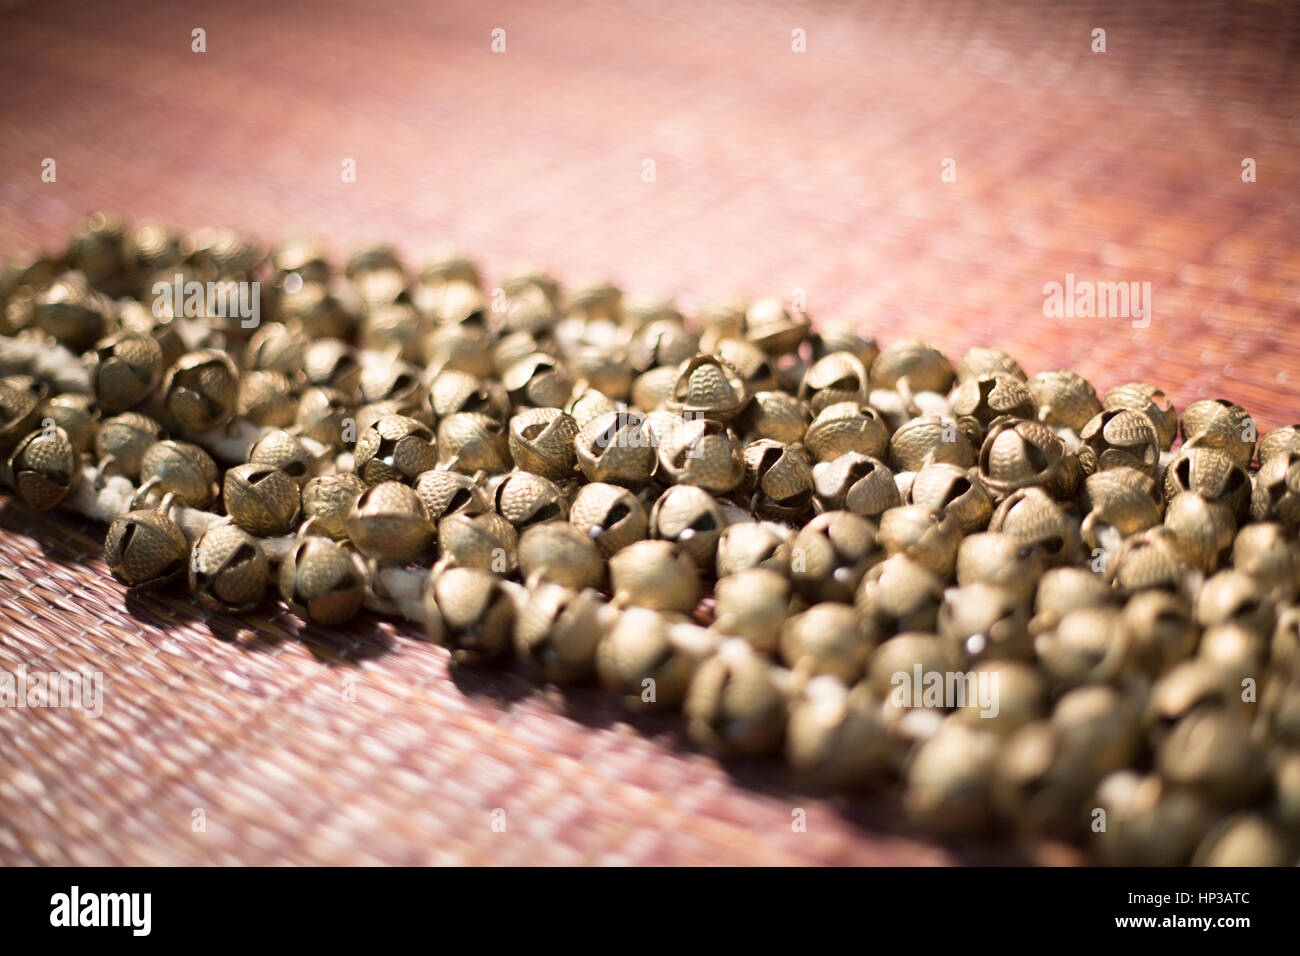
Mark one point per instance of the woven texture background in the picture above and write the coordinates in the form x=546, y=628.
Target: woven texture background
x=775, y=171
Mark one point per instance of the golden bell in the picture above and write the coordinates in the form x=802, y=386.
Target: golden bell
x=654, y=574
x=181, y=469
x=703, y=452
x=862, y=485
x=981, y=622
x=836, y=737
x=778, y=480
x=690, y=518
x=542, y=441
x=706, y=387
x=228, y=569
x=394, y=448
x=263, y=501
x=449, y=493
x=753, y=544
x=834, y=378
x=610, y=516
x=470, y=612
x=898, y=595
x=1278, y=441
x=831, y=553
x=924, y=368
x=144, y=549
x=267, y=398
x=1019, y=453
x=616, y=447
x=470, y=442
x=324, y=415
x=1122, y=498
x=127, y=369
x=641, y=662
x=826, y=639
x=954, y=491
x=43, y=468
x=735, y=706
x=71, y=312
x=847, y=427
x=1151, y=402
x=1000, y=560
x=981, y=360
x=332, y=363
x=1268, y=554
x=773, y=327
x=661, y=342
x=1161, y=630
x=754, y=366
x=1212, y=474
x=776, y=415
x=928, y=537
x=1277, y=490
x=539, y=380
x=1220, y=424
x=18, y=414
x=1204, y=530
x=122, y=441
x=1034, y=519
x=322, y=582
x=1065, y=399
x=279, y=449
x=201, y=390
x=487, y=542
x=388, y=523
x=559, y=553
x=525, y=499
x=928, y=439
x=327, y=501
x=752, y=604
x=991, y=396
x=557, y=632
x=453, y=391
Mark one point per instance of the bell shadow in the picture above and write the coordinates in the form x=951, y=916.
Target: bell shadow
x=69, y=543
x=501, y=684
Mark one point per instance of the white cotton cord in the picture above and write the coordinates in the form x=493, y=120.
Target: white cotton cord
x=229, y=443
x=102, y=504
x=398, y=591
x=193, y=522
x=47, y=361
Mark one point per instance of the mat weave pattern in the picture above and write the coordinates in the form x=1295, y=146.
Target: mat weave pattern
x=774, y=171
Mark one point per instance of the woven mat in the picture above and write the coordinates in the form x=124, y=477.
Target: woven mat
x=774, y=171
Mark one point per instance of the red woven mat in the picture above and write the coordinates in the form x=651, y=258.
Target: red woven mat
x=774, y=171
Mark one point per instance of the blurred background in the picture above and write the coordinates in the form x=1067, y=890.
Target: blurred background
x=775, y=168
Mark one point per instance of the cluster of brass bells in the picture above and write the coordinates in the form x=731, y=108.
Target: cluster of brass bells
x=755, y=521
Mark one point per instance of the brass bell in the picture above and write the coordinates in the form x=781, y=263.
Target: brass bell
x=453, y=391
x=127, y=369
x=76, y=415
x=610, y=516
x=773, y=327
x=987, y=397
x=1161, y=630
x=324, y=415
x=71, y=312
x=1268, y=554
x=836, y=737
x=122, y=440
x=471, y=612
x=779, y=416
x=1020, y=453
x=616, y=447
x=930, y=538
x=654, y=574
x=690, y=518
x=1151, y=402
x=525, y=499
x=1247, y=839
x=981, y=622
x=449, y=493
x=397, y=382
x=826, y=639
x=1220, y=424
x=832, y=379
x=752, y=604
x=267, y=398
x=651, y=389
x=322, y=582
x=1277, y=490
x=559, y=553
x=388, y=523
x=470, y=442
x=706, y=387
x=43, y=468
x=1123, y=499
x=856, y=483
x=539, y=380
x=263, y=501
x=144, y=549
x=843, y=336
x=1203, y=529
x=1234, y=597
x=898, y=595
x=1211, y=474
x=275, y=347
x=735, y=705
x=778, y=480
x=1065, y=399
x=954, y=491
x=201, y=390
x=332, y=363
x=661, y=342
x=643, y=663
x=181, y=469
x=557, y=632
x=327, y=501
x=282, y=450
x=928, y=439
x=924, y=367
x=1151, y=559
x=950, y=779
x=754, y=366
x=18, y=415
x=981, y=360
x=844, y=428
x=831, y=553
x=487, y=542
x=395, y=448
x=228, y=569
x=1278, y=441
x=1088, y=645
x=588, y=404
x=542, y=441
x=703, y=452
x=1034, y=519
x=1000, y=560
